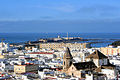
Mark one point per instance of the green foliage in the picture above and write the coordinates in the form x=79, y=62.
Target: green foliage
x=116, y=43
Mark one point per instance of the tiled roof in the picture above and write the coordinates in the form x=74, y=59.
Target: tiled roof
x=85, y=65
x=98, y=69
x=97, y=55
x=40, y=53
x=108, y=66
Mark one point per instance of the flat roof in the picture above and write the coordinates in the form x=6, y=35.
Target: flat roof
x=40, y=53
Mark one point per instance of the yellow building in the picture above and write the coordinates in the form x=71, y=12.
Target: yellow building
x=2, y=56
x=25, y=68
x=61, y=46
x=110, y=50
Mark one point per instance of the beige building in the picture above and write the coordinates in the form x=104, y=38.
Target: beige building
x=98, y=58
x=75, y=69
x=96, y=63
x=78, y=69
x=110, y=50
x=25, y=68
x=67, y=59
x=61, y=46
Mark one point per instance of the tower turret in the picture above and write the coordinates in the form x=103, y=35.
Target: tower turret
x=67, y=59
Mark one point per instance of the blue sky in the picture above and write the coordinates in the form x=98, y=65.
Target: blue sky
x=71, y=14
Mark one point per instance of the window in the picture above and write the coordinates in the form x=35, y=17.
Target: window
x=72, y=74
x=64, y=62
x=72, y=68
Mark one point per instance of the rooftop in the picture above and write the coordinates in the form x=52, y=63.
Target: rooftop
x=84, y=65
x=40, y=53
x=97, y=55
x=67, y=54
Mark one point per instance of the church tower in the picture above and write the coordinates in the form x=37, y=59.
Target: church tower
x=67, y=59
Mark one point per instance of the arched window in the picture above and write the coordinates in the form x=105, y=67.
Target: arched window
x=72, y=74
x=72, y=68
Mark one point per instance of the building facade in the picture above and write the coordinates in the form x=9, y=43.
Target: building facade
x=98, y=58
x=42, y=54
x=67, y=59
x=61, y=46
x=25, y=68
x=110, y=50
x=96, y=64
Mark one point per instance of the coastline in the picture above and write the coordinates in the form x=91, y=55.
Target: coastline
x=97, y=39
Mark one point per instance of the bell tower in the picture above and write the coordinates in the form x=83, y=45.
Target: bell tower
x=67, y=59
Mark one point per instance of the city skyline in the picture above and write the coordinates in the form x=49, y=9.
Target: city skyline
x=59, y=40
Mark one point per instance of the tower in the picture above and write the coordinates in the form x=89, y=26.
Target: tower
x=67, y=59
x=67, y=36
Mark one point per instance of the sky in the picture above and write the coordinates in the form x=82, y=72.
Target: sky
x=84, y=16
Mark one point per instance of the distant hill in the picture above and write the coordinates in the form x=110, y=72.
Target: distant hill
x=116, y=43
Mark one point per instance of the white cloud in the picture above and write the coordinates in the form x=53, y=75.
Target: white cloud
x=62, y=8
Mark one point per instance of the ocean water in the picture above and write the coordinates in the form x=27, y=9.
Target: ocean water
x=107, y=38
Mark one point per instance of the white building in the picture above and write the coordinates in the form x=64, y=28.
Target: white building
x=41, y=54
x=3, y=47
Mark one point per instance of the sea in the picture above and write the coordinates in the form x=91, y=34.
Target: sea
x=103, y=39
